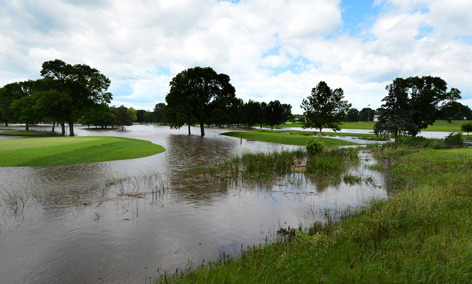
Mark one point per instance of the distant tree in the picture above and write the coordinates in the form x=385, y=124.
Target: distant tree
x=148, y=117
x=123, y=117
x=353, y=115
x=324, y=108
x=412, y=104
x=140, y=115
x=367, y=114
x=132, y=114
x=80, y=85
x=251, y=113
x=24, y=110
x=191, y=94
x=277, y=113
x=467, y=127
x=160, y=113
x=98, y=115
x=455, y=111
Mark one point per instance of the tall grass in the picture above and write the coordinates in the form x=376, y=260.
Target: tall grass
x=421, y=234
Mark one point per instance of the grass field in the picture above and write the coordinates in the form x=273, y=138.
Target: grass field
x=440, y=125
x=53, y=151
x=421, y=234
x=284, y=138
x=27, y=133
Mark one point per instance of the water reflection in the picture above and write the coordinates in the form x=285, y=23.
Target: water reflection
x=123, y=220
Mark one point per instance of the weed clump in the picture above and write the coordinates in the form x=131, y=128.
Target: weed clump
x=314, y=146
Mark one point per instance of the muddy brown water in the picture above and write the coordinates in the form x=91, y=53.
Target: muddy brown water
x=128, y=221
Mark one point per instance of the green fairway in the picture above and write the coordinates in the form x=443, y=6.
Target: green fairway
x=439, y=125
x=53, y=151
x=283, y=138
x=444, y=154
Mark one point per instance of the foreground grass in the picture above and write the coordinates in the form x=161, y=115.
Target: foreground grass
x=421, y=234
x=439, y=125
x=284, y=138
x=53, y=151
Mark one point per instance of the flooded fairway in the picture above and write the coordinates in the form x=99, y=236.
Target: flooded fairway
x=129, y=220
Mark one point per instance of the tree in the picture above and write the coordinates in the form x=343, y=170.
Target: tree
x=159, y=113
x=80, y=85
x=191, y=94
x=98, y=115
x=367, y=114
x=466, y=127
x=123, y=116
x=324, y=108
x=353, y=115
x=251, y=113
x=277, y=113
x=412, y=104
x=140, y=115
x=10, y=93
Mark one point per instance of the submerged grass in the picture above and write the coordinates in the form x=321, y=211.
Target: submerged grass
x=284, y=138
x=421, y=234
x=328, y=165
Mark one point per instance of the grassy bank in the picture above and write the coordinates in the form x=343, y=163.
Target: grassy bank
x=420, y=234
x=53, y=151
x=30, y=133
x=440, y=125
x=284, y=138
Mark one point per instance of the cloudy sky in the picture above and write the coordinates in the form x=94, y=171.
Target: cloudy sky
x=271, y=49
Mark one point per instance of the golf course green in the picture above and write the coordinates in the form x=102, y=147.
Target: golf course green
x=54, y=151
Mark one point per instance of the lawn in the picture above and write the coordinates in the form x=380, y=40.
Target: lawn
x=53, y=151
x=26, y=133
x=284, y=138
x=439, y=125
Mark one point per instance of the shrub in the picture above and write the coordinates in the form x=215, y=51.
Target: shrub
x=314, y=146
x=467, y=127
x=454, y=139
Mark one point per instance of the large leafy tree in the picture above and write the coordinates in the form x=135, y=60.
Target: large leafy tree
x=324, y=108
x=413, y=104
x=159, y=114
x=79, y=86
x=10, y=93
x=194, y=94
x=251, y=113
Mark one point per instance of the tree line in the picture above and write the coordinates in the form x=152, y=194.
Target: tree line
x=67, y=94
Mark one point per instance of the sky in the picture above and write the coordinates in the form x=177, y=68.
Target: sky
x=271, y=49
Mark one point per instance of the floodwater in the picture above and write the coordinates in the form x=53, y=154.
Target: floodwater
x=130, y=220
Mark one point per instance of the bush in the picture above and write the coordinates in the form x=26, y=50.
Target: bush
x=467, y=127
x=314, y=146
x=454, y=139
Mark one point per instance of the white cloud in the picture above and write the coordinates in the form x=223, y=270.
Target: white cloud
x=272, y=49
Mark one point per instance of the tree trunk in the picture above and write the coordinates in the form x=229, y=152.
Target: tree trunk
x=6, y=123
x=63, y=128
x=202, y=130
x=27, y=126
x=271, y=127
x=321, y=132
x=53, y=126
x=189, y=129
x=71, y=128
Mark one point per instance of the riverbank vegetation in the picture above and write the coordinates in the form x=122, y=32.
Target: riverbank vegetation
x=283, y=138
x=53, y=151
x=420, y=234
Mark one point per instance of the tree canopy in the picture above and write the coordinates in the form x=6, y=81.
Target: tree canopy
x=412, y=104
x=324, y=108
x=194, y=95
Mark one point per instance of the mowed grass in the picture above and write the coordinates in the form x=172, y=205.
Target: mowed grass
x=54, y=151
x=284, y=138
x=439, y=125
